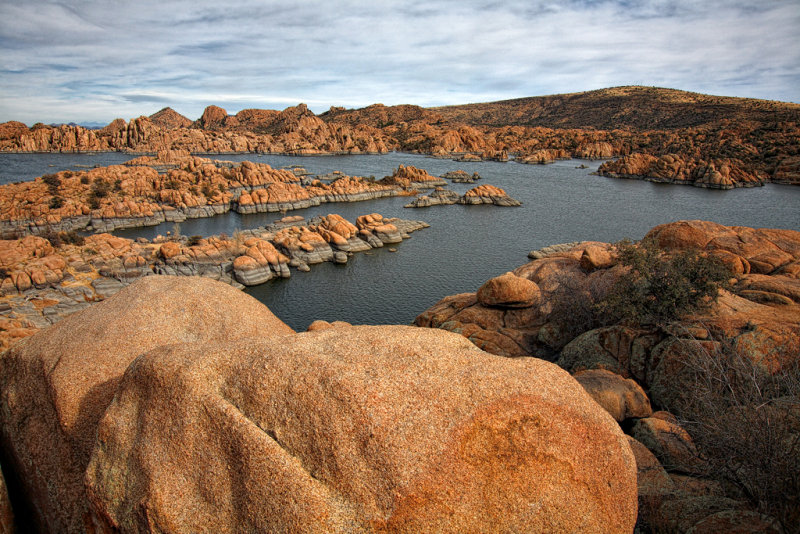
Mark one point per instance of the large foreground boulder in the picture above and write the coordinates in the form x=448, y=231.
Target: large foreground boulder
x=56, y=385
x=356, y=429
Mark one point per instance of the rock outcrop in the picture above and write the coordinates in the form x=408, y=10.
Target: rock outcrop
x=409, y=177
x=509, y=291
x=676, y=169
x=461, y=177
x=173, y=186
x=222, y=418
x=488, y=194
x=57, y=385
x=661, y=134
x=631, y=370
x=438, y=197
x=44, y=280
x=482, y=194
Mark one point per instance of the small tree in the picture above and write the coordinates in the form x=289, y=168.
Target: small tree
x=660, y=288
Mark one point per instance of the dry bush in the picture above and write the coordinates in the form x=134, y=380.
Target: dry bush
x=575, y=302
x=744, y=417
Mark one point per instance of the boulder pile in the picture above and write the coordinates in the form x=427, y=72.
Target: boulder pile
x=639, y=373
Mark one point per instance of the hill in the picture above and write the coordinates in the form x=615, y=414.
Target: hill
x=169, y=118
x=630, y=107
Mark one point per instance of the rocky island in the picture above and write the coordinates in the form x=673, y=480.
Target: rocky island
x=47, y=279
x=482, y=194
x=130, y=196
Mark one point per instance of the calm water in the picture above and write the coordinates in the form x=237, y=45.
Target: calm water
x=465, y=245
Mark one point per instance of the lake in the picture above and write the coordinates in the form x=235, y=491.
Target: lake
x=465, y=245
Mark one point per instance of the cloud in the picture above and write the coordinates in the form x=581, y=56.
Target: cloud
x=96, y=60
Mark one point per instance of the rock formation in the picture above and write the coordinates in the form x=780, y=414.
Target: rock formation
x=168, y=118
x=438, y=197
x=461, y=177
x=409, y=177
x=44, y=280
x=628, y=368
x=124, y=196
x=488, y=194
x=696, y=139
x=182, y=405
x=671, y=168
x=57, y=386
x=482, y=194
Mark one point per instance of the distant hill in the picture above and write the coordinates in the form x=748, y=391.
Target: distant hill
x=379, y=116
x=630, y=107
x=169, y=118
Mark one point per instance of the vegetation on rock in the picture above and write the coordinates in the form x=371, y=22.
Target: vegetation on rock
x=744, y=417
x=659, y=288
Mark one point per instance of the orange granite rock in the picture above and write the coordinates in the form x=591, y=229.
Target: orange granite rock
x=58, y=383
x=509, y=291
x=488, y=194
x=674, y=168
x=407, y=176
x=374, y=429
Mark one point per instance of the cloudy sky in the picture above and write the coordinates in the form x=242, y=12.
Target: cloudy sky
x=95, y=60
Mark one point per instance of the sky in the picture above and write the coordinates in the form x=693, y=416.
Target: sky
x=91, y=61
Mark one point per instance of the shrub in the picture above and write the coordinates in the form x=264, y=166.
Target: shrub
x=53, y=182
x=660, y=288
x=172, y=183
x=100, y=188
x=72, y=238
x=58, y=239
x=744, y=417
x=85, y=180
x=117, y=185
x=207, y=190
x=194, y=240
x=56, y=202
x=575, y=303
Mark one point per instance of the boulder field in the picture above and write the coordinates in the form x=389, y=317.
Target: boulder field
x=182, y=405
x=639, y=373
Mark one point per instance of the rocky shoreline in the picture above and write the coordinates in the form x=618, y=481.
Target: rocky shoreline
x=190, y=400
x=674, y=169
x=642, y=374
x=43, y=283
x=632, y=373
x=130, y=196
x=758, y=147
x=482, y=194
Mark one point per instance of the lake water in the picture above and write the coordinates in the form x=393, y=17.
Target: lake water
x=465, y=245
